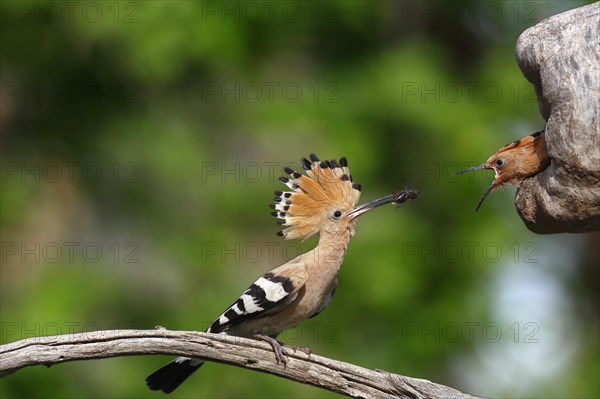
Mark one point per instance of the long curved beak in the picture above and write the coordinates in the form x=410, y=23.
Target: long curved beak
x=472, y=168
x=395, y=198
x=489, y=190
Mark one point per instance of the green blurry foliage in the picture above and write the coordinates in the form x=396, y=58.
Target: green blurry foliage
x=408, y=95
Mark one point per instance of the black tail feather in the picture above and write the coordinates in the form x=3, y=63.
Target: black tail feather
x=170, y=376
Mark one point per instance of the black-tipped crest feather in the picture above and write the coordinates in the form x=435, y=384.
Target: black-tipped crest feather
x=324, y=184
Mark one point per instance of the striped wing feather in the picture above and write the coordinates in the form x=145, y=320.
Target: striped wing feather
x=268, y=295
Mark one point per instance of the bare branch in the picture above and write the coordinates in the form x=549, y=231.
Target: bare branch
x=312, y=369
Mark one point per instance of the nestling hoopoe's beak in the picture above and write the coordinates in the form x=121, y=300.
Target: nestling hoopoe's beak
x=515, y=162
x=472, y=168
x=490, y=188
x=483, y=197
x=398, y=197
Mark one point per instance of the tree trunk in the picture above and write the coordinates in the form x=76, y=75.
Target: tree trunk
x=561, y=57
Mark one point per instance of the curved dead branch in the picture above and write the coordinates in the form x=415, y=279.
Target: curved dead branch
x=333, y=375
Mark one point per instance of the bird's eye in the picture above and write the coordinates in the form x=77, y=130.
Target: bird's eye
x=337, y=214
x=500, y=163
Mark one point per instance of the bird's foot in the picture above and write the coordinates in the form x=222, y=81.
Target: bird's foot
x=302, y=349
x=280, y=352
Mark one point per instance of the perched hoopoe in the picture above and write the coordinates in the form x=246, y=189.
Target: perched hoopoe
x=322, y=202
x=514, y=162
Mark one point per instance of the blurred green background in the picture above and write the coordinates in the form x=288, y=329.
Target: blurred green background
x=142, y=142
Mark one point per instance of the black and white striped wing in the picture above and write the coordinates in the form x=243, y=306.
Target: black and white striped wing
x=268, y=295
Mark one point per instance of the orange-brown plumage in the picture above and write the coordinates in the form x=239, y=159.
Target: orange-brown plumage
x=515, y=162
x=322, y=202
x=309, y=207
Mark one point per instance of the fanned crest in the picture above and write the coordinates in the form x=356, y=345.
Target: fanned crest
x=326, y=185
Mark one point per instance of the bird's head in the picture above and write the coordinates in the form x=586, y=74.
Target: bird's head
x=324, y=200
x=515, y=162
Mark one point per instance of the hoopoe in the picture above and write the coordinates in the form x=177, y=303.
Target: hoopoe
x=514, y=162
x=321, y=202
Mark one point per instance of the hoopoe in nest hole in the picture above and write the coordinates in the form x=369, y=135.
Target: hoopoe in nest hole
x=322, y=202
x=514, y=162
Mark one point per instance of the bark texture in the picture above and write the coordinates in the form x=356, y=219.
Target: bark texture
x=561, y=57
x=333, y=375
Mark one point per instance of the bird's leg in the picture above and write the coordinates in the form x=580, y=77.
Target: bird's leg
x=277, y=348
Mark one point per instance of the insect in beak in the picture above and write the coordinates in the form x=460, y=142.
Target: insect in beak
x=403, y=196
x=395, y=198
